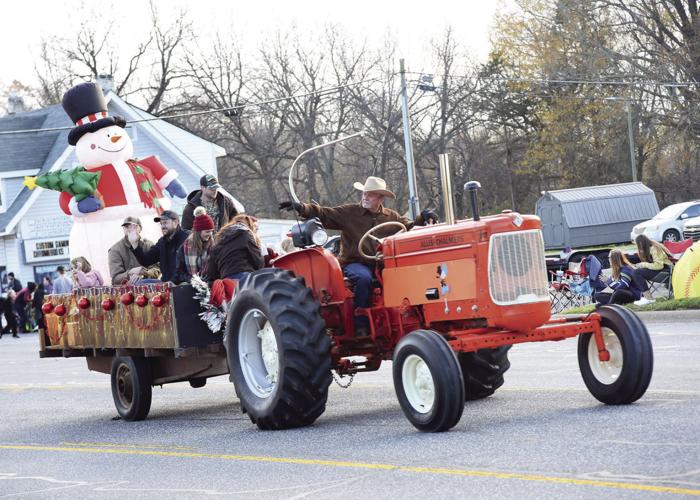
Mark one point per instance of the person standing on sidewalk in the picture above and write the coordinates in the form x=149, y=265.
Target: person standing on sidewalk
x=63, y=283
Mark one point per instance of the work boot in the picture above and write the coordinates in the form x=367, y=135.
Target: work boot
x=14, y=335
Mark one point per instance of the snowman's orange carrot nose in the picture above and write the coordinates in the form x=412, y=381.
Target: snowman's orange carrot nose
x=115, y=138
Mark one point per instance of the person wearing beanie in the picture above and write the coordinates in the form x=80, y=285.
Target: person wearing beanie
x=193, y=256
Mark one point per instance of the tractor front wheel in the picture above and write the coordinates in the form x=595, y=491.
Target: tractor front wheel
x=278, y=352
x=428, y=381
x=483, y=371
x=131, y=387
x=624, y=378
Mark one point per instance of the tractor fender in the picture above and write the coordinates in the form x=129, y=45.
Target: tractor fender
x=321, y=272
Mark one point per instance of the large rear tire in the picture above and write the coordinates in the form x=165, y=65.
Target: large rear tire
x=428, y=381
x=131, y=387
x=483, y=371
x=626, y=376
x=278, y=352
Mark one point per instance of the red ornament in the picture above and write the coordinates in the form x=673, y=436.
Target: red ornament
x=59, y=310
x=107, y=304
x=84, y=303
x=127, y=298
x=47, y=308
x=142, y=301
x=159, y=300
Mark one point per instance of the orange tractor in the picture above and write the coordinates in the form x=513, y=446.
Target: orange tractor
x=449, y=301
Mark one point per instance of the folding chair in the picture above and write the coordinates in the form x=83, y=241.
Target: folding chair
x=678, y=248
x=662, y=278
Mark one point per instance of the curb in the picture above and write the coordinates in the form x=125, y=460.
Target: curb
x=677, y=315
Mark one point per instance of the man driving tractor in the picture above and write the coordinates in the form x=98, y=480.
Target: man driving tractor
x=354, y=220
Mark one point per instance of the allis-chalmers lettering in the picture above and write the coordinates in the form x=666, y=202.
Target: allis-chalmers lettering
x=440, y=241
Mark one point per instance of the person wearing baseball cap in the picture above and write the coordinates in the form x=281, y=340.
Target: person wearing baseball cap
x=354, y=220
x=164, y=252
x=193, y=256
x=217, y=205
x=123, y=265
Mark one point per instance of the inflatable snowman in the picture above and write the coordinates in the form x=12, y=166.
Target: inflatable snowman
x=126, y=187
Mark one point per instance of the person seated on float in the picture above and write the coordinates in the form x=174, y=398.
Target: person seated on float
x=123, y=266
x=653, y=258
x=354, y=220
x=165, y=250
x=193, y=256
x=83, y=273
x=237, y=250
x=622, y=285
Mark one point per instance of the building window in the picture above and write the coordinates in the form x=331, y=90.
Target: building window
x=2, y=196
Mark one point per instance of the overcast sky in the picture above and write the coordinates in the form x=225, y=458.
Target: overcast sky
x=412, y=23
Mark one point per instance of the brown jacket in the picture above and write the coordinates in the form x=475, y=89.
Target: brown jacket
x=121, y=259
x=353, y=221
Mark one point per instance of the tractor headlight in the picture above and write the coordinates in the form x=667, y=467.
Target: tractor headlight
x=309, y=233
x=319, y=237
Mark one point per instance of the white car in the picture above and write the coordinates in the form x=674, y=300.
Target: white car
x=667, y=225
x=691, y=229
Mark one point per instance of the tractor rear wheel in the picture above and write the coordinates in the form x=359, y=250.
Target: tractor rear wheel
x=428, y=381
x=131, y=387
x=483, y=371
x=278, y=352
x=625, y=377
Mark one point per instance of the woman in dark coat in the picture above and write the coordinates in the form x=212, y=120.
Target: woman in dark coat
x=236, y=251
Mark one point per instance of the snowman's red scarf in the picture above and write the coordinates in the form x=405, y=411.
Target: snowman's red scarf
x=148, y=185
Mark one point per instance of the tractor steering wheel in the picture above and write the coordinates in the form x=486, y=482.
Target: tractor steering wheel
x=368, y=234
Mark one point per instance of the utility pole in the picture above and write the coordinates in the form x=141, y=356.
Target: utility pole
x=631, y=137
x=413, y=205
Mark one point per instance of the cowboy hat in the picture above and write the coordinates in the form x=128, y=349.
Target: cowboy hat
x=374, y=185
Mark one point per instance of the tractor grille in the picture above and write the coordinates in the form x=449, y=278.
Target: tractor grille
x=691, y=232
x=517, y=268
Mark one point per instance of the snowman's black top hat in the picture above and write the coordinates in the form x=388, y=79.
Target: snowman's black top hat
x=85, y=104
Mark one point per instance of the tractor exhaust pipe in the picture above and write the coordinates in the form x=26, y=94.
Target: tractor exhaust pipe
x=446, y=180
x=473, y=187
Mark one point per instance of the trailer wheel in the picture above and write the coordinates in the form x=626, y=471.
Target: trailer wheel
x=625, y=377
x=131, y=387
x=278, y=352
x=483, y=371
x=428, y=381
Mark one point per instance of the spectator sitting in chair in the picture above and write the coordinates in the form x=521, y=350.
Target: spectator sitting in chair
x=653, y=258
x=621, y=287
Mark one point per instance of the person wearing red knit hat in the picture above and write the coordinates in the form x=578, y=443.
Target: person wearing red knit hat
x=193, y=255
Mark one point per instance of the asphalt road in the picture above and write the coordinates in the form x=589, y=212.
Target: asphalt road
x=541, y=436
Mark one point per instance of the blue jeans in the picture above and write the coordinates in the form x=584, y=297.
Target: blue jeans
x=361, y=276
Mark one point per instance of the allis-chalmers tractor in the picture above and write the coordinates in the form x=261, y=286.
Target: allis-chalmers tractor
x=449, y=301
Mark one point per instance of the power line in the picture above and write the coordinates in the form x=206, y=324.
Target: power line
x=631, y=83
x=328, y=90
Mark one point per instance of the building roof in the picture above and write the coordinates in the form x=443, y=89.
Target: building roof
x=609, y=204
x=43, y=150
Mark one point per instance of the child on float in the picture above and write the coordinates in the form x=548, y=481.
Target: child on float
x=84, y=276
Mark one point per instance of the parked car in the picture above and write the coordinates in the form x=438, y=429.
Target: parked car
x=691, y=229
x=667, y=225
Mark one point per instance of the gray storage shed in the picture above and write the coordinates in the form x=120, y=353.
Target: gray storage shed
x=595, y=215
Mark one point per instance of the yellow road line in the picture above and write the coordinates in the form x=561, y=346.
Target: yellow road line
x=128, y=446
x=362, y=465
